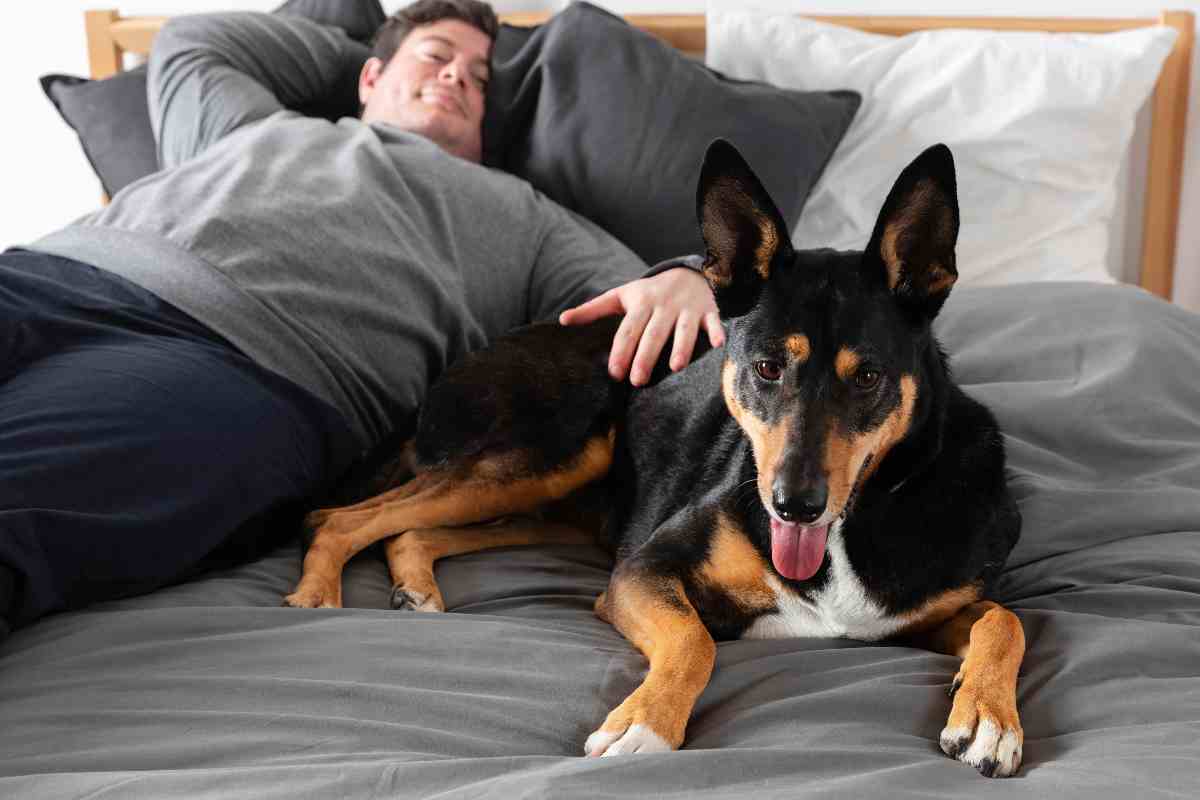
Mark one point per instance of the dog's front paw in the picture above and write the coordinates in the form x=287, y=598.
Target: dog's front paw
x=412, y=600
x=983, y=729
x=639, y=726
x=633, y=739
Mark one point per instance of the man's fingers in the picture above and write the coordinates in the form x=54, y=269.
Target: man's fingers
x=716, y=331
x=653, y=338
x=603, y=305
x=625, y=342
x=686, y=331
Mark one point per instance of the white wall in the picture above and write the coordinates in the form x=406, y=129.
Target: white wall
x=47, y=180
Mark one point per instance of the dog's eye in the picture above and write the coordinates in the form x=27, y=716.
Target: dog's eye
x=866, y=378
x=768, y=370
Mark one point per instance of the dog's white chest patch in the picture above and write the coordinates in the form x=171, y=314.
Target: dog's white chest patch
x=841, y=609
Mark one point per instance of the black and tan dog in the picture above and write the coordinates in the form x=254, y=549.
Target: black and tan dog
x=820, y=476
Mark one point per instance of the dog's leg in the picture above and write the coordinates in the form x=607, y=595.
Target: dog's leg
x=983, y=729
x=440, y=497
x=403, y=463
x=654, y=613
x=411, y=555
x=318, y=517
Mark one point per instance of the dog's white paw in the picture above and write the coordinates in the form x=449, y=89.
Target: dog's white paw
x=995, y=752
x=411, y=600
x=634, y=739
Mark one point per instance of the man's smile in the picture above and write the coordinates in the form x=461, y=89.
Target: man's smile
x=443, y=98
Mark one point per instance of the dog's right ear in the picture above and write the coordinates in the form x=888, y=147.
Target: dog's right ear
x=744, y=233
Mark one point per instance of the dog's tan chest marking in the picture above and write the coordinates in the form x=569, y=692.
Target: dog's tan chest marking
x=736, y=568
x=939, y=609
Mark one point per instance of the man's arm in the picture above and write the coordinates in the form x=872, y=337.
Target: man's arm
x=583, y=273
x=212, y=73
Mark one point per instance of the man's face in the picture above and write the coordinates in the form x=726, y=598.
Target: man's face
x=434, y=85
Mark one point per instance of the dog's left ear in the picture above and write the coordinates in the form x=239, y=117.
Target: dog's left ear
x=744, y=233
x=916, y=232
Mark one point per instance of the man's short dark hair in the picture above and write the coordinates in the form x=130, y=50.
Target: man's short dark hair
x=425, y=12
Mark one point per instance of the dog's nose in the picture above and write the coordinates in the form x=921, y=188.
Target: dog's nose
x=803, y=507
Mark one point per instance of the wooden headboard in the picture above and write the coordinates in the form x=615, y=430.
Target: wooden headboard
x=110, y=36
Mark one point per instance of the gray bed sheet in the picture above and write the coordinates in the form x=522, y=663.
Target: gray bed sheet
x=210, y=689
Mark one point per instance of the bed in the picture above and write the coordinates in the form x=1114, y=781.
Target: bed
x=209, y=688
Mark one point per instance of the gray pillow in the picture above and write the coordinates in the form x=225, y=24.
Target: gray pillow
x=112, y=118
x=112, y=121
x=613, y=123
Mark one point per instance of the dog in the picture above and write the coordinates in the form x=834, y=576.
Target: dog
x=821, y=475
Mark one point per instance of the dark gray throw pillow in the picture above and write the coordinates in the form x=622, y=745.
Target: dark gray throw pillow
x=112, y=121
x=613, y=123
x=112, y=118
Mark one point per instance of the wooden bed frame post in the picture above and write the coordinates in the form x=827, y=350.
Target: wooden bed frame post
x=104, y=55
x=1167, y=134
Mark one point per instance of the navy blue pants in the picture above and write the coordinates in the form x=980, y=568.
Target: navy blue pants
x=135, y=443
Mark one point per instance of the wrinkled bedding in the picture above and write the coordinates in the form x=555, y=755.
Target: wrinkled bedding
x=210, y=689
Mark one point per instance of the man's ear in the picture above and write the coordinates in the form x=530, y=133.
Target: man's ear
x=367, y=79
x=744, y=234
x=914, y=237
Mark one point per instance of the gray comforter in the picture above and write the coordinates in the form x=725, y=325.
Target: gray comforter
x=211, y=689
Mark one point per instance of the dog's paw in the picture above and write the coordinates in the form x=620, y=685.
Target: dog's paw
x=412, y=600
x=634, y=739
x=983, y=730
x=312, y=597
x=648, y=721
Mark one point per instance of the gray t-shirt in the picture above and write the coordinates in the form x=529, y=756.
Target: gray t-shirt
x=357, y=260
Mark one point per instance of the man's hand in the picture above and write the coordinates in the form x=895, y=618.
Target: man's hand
x=676, y=300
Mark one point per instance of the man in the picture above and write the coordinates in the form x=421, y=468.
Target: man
x=202, y=357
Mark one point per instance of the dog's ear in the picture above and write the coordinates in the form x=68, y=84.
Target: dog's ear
x=914, y=238
x=744, y=234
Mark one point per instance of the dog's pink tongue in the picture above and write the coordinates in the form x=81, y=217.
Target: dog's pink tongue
x=797, y=551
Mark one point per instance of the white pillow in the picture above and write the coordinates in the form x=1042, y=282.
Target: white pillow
x=1038, y=124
